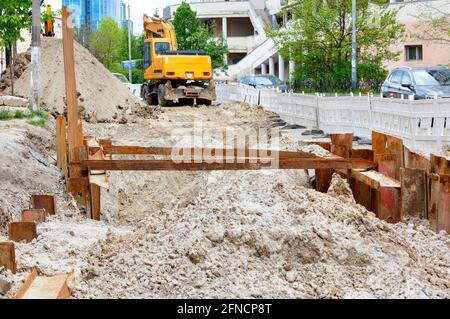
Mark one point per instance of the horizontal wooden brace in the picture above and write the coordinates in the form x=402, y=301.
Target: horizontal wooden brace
x=168, y=165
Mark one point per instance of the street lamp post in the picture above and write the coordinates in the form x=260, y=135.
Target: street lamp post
x=130, y=73
x=35, y=55
x=354, y=46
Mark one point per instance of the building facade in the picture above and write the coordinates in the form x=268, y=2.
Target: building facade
x=124, y=13
x=422, y=44
x=87, y=14
x=243, y=23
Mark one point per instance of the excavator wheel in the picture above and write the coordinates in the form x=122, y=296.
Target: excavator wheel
x=161, y=96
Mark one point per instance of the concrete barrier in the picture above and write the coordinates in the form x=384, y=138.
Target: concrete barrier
x=422, y=124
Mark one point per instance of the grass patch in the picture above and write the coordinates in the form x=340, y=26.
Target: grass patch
x=38, y=113
x=36, y=118
x=37, y=122
x=19, y=115
x=5, y=115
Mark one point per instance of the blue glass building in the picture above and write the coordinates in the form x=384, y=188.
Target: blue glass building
x=89, y=13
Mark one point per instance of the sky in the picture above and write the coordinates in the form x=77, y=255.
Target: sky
x=138, y=8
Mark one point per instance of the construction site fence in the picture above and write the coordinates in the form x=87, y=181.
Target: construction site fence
x=422, y=124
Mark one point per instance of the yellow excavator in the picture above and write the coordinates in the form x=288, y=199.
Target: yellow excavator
x=49, y=29
x=173, y=76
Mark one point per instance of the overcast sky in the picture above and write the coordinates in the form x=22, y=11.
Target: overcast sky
x=138, y=8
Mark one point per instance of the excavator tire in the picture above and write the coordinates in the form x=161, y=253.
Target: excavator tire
x=161, y=96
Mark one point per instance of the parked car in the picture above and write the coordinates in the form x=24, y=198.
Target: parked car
x=264, y=81
x=122, y=78
x=422, y=83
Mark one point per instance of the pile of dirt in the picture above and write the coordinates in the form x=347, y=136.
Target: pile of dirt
x=21, y=62
x=26, y=168
x=101, y=97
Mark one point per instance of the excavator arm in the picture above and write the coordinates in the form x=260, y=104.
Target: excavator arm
x=157, y=28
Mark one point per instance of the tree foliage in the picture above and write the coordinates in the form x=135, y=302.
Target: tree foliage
x=193, y=35
x=14, y=16
x=319, y=36
x=434, y=24
x=104, y=43
x=137, y=47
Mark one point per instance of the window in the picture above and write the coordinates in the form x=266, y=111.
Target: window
x=413, y=52
x=396, y=77
x=406, y=79
x=161, y=48
x=147, y=55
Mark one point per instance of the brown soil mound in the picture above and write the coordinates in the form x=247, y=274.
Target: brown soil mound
x=101, y=97
x=21, y=63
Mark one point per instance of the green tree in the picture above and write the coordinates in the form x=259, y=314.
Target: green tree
x=137, y=46
x=14, y=16
x=193, y=35
x=105, y=42
x=434, y=24
x=319, y=37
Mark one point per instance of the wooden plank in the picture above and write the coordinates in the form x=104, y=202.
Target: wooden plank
x=443, y=218
x=413, y=195
x=375, y=180
x=60, y=140
x=323, y=179
x=95, y=200
x=74, y=138
x=8, y=256
x=22, y=231
x=383, y=144
x=342, y=144
x=168, y=151
x=433, y=203
x=361, y=193
x=27, y=284
x=362, y=153
x=39, y=287
x=388, y=204
x=46, y=202
x=416, y=161
x=163, y=165
x=387, y=164
x=34, y=215
x=439, y=165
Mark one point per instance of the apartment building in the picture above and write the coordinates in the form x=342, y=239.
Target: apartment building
x=422, y=46
x=243, y=23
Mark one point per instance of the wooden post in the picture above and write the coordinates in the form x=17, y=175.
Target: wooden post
x=75, y=140
x=61, y=143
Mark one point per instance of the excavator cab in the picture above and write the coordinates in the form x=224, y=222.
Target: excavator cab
x=174, y=76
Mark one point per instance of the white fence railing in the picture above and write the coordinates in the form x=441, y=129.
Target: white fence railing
x=423, y=124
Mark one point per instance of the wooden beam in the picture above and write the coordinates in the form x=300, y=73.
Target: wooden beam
x=39, y=287
x=167, y=165
x=74, y=138
x=414, y=193
x=375, y=180
x=8, y=256
x=34, y=215
x=383, y=144
x=46, y=202
x=167, y=151
x=95, y=201
x=22, y=231
x=61, y=142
